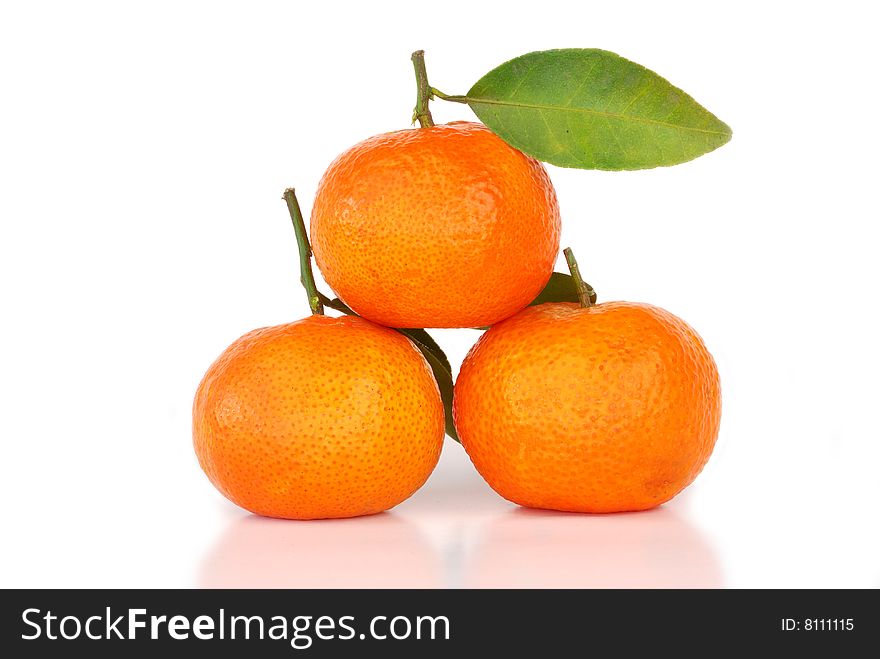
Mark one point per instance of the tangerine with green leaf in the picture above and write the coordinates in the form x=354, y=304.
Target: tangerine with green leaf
x=319, y=418
x=589, y=408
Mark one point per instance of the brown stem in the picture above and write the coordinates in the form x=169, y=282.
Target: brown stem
x=586, y=294
x=421, y=112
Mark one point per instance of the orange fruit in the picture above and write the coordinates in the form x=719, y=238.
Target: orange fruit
x=323, y=417
x=609, y=408
x=446, y=226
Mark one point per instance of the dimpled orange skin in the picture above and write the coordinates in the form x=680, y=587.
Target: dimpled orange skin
x=445, y=226
x=605, y=409
x=320, y=418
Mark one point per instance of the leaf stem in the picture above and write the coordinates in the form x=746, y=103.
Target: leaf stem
x=305, y=253
x=422, y=113
x=586, y=294
x=455, y=98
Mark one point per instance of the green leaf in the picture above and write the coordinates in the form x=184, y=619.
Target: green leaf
x=560, y=288
x=442, y=373
x=426, y=342
x=433, y=353
x=592, y=109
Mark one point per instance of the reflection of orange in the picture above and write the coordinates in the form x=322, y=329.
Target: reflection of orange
x=445, y=226
x=380, y=551
x=542, y=549
x=610, y=408
x=324, y=417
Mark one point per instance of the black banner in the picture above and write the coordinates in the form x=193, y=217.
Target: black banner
x=288, y=623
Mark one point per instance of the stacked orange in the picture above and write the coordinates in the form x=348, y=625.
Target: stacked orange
x=574, y=407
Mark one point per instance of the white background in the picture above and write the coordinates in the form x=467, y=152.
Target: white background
x=143, y=151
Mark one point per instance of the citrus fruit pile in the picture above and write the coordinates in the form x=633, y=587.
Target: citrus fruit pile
x=562, y=403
